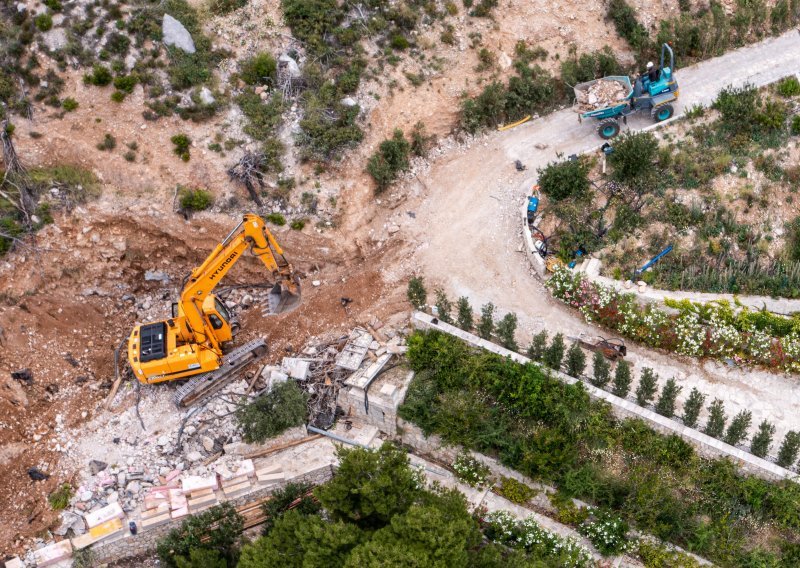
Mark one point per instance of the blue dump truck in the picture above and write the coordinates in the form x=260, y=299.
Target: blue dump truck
x=654, y=91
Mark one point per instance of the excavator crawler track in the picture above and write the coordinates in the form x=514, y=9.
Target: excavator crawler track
x=202, y=386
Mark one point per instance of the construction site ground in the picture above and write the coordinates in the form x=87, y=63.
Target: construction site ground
x=68, y=304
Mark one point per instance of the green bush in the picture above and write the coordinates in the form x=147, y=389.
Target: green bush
x=506, y=331
x=787, y=454
x=576, y=361
x=99, y=77
x=43, y=22
x=561, y=180
x=622, y=379
x=485, y=110
x=795, y=125
x=515, y=491
x=296, y=496
x=108, y=143
x=224, y=7
x=789, y=87
x=269, y=415
x=276, y=219
x=216, y=530
x=182, y=143
x=601, y=372
x=554, y=354
x=485, y=327
x=666, y=402
x=737, y=430
x=715, y=425
x=607, y=532
x=444, y=306
x=195, y=199
x=464, y=317
x=626, y=24
x=416, y=293
x=118, y=96
x=634, y=155
x=590, y=66
x=126, y=83
x=260, y=69
x=297, y=224
x=391, y=158
x=538, y=346
x=762, y=440
x=471, y=471
x=59, y=499
x=692, y=407
x=399, y=42
x=69, y=104
x=648, y=385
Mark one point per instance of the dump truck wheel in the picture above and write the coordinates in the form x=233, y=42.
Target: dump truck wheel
x=662, y=112
x=608, y=128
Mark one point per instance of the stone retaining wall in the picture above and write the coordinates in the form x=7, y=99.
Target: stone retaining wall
x=705, y=445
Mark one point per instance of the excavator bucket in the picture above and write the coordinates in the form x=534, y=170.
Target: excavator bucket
x=284, y=297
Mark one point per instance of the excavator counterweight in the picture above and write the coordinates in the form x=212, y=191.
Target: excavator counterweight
x=190, y=343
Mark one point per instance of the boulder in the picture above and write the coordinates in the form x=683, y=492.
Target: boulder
x=175, y=34
x=96, y=466
x=292, y=68
x=206, y=97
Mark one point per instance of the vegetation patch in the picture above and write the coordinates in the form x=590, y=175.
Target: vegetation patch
x=269, y=415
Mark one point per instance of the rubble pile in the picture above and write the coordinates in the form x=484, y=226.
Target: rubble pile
x=600, y=94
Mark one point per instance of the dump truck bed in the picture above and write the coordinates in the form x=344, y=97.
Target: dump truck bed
x=602, y=107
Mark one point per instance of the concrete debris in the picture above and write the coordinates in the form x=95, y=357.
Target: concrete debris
x=156, y=275
x=600, y=94
x=53, y=553
x=96, y=466
x=175, y=34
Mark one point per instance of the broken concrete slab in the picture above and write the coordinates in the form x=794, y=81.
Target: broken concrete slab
x=194, y=483
x=296, y=368
x=15, y=563
x=53, y=553
x=104, y=514
x=354, y=350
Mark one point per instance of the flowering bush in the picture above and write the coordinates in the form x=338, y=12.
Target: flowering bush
x=697, y=330
x=502, y=528
x=471, y=471
x=608, y=533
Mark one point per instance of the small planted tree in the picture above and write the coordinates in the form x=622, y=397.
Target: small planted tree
x=666, y=402
x=269, y=415
x=634, y=153
x=464, y=320
x=507, y=330
x=560, y=180
x=576, y=361
x=601, y=372
x=391, y=158
x=692, y=407
x=443, y=306
x=555, y=353
x=787, y=454
x=417, y=294
x=716, y=419
x=486, y=323
x=648, y=385
x=737, y=431
x=538, y=346
x=622, y=379
x=762, y=440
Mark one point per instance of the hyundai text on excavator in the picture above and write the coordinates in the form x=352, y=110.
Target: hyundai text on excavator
x=190, y=343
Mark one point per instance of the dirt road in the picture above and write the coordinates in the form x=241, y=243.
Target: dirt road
x=469, y=237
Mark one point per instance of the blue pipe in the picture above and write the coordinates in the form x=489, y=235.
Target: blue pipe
x=653, y=260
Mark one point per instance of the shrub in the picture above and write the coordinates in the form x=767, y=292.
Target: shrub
x=626, y=24
x=601, y=372
x=795, y=125
x=118, y=96
x=59, y=499
x=515, y=491
x=390, y=159
x=99, y=77
x=108, y=143
x=762, y=440
x=789, y=87
x=538, y=346
x=223, y=7
x=606, y=531
x=443, y=306
x=622, y=379
x=276, y=219
x=216, y=530
x=297, y=224
x=716, y=419
x=692, y=407
x=648, y=384
x=738, y=108
x=282, y=499
x=270, y=414
x=737, y=430
x=483, y=9
x=126, y=83
x=181, y=143
x=486, y=323
x=666, y=402
x=507, y=330
x=560, y=180
x=634, y=155
x=470, y=470
x=576, y=361
x=464, y=318
x=260, y=69
x=787, y=454
x=555, y=352
x=420, y=141
x=487, y=109
x=195, y=199
x=130, y=156
x=43, y=22
x=416, y=293
x=69, y=104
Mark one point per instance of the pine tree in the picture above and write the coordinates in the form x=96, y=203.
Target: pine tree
x=601, y=372
x=576, y=361
x=555, y=353
x=648, y=385
x=417, y=294
x=789, y=448
x=444, y=306
x=538, y=346
x=622, y=379
x=737, y=431
x=464, y=320
x=666, y=402
x=692, y=407
x=716, y=419
x=486, y=323
x=507, y=331
x=762, y=440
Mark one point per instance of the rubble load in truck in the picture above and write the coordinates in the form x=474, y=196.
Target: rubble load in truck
x=600, y=94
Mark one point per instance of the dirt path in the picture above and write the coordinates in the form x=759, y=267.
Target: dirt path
x=469, y=238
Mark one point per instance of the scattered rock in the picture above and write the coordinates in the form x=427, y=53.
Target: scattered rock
x=85, y=496
x=208, y=444
x=55, y=39
x=156, y=275
x=194, y=456
x=175, y=34
x=349, y=102
x=315, y=283
x=206, y=97
x=133, y=487
x=291, y=66
x=96, y=466
x=23, y=375
x=162, y=441
x=37, y=474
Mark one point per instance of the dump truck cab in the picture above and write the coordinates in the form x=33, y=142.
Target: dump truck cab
x=657, y=95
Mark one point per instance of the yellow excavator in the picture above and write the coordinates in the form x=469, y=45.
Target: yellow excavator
x=190, y=343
